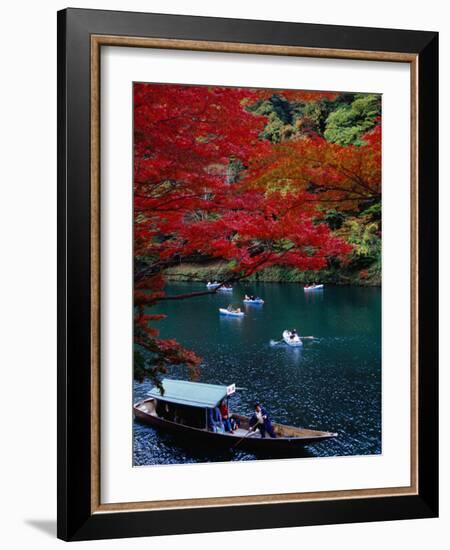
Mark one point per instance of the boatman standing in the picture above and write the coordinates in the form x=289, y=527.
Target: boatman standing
x=261, y=420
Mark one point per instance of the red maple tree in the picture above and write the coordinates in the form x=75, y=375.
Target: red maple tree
x=192, y=147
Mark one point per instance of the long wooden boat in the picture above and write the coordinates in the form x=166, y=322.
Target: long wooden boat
x=182, y=410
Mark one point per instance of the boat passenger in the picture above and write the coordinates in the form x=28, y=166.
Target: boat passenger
x=230, y=308
x=215, y=423
x=235, y=424
x=246, y=297
x=261, y=420
x=225, y=416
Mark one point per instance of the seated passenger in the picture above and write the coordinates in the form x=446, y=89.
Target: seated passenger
x=215, y=423
x=225, y=416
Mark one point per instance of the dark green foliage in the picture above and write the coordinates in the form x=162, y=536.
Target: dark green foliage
x=349, y=122
x=280, y=117
x=334, y=219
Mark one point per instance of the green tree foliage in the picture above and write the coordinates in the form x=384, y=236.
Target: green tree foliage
x=343, y=119
x=279, y=113
x=349, y=122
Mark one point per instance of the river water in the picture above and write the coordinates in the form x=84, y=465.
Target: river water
x=333, y=383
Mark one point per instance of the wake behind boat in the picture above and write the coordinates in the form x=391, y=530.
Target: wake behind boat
x=183, y=409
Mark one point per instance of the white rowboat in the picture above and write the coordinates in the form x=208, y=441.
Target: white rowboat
x=212, y=285
x=293, y=340
x=312, y=287
x=256, y=301
x=224, y=311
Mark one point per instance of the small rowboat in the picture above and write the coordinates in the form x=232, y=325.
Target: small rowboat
x=225, y=289
x=255, y=301
x=182, y=410
x=312, y=287
x=212, y=286
x=293, y=340
x=224, y=311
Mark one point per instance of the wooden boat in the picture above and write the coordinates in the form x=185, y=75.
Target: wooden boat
x=224, y=311
x=312, y=287
x=182, y=410
x=292, y=340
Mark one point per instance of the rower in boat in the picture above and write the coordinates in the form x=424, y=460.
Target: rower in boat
x=261, y=420
x=292, y=338
x=187, y=416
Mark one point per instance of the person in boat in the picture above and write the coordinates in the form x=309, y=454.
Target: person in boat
x=225, y=413
x=261, y=420
x=247, y=297
x=230, y=308
x=215, y=423
x=293, y=333
x=235, y=423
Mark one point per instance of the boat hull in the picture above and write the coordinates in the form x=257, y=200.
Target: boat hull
x=253, y=443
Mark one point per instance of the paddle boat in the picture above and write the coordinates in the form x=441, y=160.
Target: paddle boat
x=292, y=339
x=256, y=300
x=308, y=288
x=212, y=286
x=183, y=408
x=231, y=312
x=225, y=288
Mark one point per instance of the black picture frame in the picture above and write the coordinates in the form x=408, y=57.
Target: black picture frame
x=75, y=518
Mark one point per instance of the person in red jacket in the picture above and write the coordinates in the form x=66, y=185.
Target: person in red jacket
x=225, y=416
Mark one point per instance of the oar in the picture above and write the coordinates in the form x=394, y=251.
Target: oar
x=242, y=438
x=301, y=337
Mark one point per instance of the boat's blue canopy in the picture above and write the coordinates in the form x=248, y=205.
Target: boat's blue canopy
x=193, y=394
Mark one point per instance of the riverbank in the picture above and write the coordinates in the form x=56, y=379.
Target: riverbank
x=220, y=271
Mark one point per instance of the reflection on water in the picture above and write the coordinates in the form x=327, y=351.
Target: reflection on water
x=332, y=383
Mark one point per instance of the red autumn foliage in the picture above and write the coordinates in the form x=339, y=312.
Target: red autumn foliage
x=186, y=138
x=336, y=175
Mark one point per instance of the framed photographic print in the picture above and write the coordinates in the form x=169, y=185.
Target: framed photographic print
x=247, y=274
